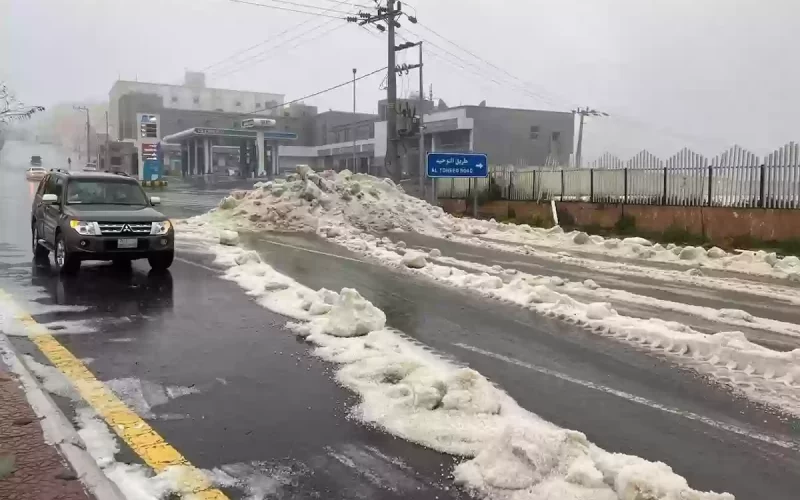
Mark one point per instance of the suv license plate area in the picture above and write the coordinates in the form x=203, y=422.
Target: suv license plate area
x=127, y=243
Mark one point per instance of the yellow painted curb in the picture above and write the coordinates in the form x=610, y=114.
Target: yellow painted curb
x=137, y=433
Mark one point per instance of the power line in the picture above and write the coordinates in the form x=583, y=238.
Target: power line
x=260, y=56
x=315, y=94
x=320, y=14
x=476, y=70
x=308, y=6
x=617, y=114
x=361, y=5
x=552, y=96
x=524, y=86
x=248, y=49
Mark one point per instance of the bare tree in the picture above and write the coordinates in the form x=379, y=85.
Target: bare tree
x=12, y=109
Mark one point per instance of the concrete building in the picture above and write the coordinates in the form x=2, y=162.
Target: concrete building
x=201, y=121
x=193, y=95
x=122, y=157
x=509, y=136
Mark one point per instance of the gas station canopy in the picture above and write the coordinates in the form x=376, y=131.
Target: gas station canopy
x=205, y=132
x=197, y=143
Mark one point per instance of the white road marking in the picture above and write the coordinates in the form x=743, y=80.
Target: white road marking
x=638, y=399
x=197, y=264
x=318, y=252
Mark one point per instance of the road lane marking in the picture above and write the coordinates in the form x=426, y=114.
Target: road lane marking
x=309, y=250
x=276, y=243
x=201, y=266
x=795, y=446
x=140, y=437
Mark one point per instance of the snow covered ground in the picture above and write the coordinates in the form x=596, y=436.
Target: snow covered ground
x=349, y=209
x=415, y=394
x=326, y=201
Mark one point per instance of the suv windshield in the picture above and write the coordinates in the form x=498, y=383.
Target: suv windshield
x=104, y=192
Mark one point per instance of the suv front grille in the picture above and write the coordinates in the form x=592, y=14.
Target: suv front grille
x=125, y=227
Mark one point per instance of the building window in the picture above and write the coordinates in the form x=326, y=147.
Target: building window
x=196, y=100
x=556, y=136
x=238, y=104
x=534, y=132
x=174, y=99
x=258, y=105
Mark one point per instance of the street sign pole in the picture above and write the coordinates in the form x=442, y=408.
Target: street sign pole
x=475, y=200
x=461, y=165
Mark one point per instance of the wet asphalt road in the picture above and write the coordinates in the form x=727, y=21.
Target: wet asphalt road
x=264, y=410
x=263, y=403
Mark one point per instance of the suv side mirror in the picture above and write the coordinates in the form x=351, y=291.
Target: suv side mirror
x=49, y=199
x=155, y=200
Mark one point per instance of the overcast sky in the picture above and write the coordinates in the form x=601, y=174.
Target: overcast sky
x=700, y=73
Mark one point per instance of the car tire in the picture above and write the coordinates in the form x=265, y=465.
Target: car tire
x=39, y=252
x=65, y=263
x=161, y=261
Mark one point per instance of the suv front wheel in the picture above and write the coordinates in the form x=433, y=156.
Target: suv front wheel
x=39, y=251
x=65, y=263
x=161, y=261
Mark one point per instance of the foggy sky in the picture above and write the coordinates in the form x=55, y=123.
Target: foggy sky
x=699, y=73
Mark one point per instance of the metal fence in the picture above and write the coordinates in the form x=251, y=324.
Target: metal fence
x=735, y=178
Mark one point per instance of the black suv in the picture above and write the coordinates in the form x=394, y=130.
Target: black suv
x=98, y=216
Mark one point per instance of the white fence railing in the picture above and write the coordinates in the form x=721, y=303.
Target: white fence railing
x=735, y=178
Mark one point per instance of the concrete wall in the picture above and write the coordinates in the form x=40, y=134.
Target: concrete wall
x=505, y=134
x=720, y=225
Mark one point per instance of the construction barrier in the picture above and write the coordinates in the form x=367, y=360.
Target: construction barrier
x=159, y=183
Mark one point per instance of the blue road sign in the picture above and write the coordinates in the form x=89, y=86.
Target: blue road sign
x=467, y=165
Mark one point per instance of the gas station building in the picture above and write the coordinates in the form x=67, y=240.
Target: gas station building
x=259, y=148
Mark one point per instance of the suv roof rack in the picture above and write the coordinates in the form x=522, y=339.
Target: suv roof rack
x=60, y=170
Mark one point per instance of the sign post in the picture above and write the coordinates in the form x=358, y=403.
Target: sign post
x=459, y=165
x=148, y=138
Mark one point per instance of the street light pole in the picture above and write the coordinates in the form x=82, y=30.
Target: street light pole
x=105, y=160
x=355, y=167
x=84, y=108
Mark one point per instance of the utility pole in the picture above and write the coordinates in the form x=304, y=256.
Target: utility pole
x=355, y=166
x=391, y=162
x=583, y=113
x=422, y=167
x=388, y=15
x=105, y=160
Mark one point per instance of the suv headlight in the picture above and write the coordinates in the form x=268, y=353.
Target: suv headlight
x=160, y=228
x=85, y=228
